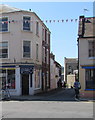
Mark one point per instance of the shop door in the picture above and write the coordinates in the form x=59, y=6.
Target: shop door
x=25, y=84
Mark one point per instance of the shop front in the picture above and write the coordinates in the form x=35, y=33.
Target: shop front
x=89, y=82
x=21, y=79
x=18, y=79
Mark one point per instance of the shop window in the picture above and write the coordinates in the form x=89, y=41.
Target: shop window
x=7, y=78
x=4, y=50
x=37, y=79
x=89, y=77
x=4, y=24
x=2, y=78
x=26, y=49
x=26, y=23
x=11, y=79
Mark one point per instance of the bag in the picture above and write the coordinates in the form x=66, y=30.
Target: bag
x=79, y=86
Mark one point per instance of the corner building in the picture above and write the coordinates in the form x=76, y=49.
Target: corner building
x=21, y=50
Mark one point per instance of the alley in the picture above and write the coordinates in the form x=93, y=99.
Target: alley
x=59, y=95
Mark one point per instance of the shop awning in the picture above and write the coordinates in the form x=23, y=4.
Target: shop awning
x=88, y=67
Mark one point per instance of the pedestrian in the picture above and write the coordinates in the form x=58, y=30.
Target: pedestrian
x=77, y=86
x=64, y=84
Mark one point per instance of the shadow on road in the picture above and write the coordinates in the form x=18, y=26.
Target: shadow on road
x=59, y=94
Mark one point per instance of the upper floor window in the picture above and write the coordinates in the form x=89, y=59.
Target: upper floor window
x=26, y=23
x=4, y=50
x=37, y=49
x=26, y=49
x=91, y=45
x=43, y=34
x=37, y=28
x=4, y=24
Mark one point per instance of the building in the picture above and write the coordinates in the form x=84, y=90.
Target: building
x=86, y=55
x=45, y=59
x=21, y=66
x=70, y=65
x=55, y=72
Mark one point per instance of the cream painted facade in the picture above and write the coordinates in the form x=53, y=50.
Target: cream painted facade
x=54, y=72
x=86, y=57
x=23, y=67
x=70, y=65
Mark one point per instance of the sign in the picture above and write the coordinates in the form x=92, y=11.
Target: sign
x=26, y=70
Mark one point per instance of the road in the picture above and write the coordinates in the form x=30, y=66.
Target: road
x=59, y=104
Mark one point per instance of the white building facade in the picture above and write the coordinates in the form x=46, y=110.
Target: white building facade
x=20, y=51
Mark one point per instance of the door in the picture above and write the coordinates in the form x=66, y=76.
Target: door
x=25, y=84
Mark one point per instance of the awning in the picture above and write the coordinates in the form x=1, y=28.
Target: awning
x=88, y=67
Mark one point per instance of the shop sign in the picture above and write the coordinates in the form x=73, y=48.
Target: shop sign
x=26, y=70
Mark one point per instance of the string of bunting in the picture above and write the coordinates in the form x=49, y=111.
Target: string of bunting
x=45, y=21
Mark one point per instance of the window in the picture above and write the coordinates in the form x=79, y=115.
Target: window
x=91, y=45
x=37, y=28
x=89, y=77
x=26, y=49
x=4, y=50
x=47, y=57
x=11, y=78
x=26, y=23
x=43, y=34
x=4, y=24
x=37, y=79
x=47, y=79
x=7, y=78
x=43, y=54
x=37, y=49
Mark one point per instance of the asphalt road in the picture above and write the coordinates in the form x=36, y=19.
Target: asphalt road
x=58, y=104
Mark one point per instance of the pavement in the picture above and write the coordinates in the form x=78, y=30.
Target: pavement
x=58, y=94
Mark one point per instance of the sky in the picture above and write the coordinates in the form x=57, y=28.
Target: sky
x=63, y=34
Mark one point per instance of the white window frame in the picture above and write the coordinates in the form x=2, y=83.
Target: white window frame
x=30, y=49
x=8, y=48
x=37, y=21
x=31, y=25
x=36, y=51
x=8, y=23
x=92, y=57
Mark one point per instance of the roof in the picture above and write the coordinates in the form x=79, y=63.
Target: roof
x=5, y=8
x=8, y=9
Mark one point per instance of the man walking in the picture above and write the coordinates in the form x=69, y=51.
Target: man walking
x=77, y=86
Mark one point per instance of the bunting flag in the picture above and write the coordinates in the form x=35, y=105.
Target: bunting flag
x=44, y=21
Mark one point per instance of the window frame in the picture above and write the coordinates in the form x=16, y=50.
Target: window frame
x=30, y=23
x=7, y=49
x=87, y=73
x=8, y=23
x=37, y=27
x=23, y=49
x=92, y=50
x=37, y=51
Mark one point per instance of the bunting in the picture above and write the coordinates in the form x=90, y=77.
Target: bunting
x=44, y=21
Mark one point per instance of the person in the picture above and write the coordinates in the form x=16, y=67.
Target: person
x=77, y=86
x=64, y=84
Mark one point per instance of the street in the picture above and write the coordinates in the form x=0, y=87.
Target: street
x=59, y=104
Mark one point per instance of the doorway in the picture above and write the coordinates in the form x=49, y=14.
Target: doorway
x=25, y=84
